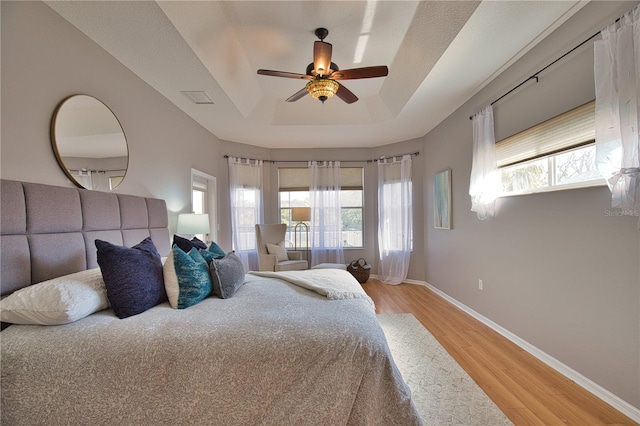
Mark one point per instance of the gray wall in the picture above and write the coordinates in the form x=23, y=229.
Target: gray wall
x=557, y=270
x=44, y=60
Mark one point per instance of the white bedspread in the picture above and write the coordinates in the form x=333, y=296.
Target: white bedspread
x=274, y=354
x=334, y=284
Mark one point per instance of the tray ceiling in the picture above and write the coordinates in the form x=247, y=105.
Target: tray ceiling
x=439, y=54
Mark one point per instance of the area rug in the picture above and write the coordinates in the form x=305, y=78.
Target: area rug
x=443, y=392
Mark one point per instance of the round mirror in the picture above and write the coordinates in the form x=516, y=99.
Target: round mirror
x=89, y=143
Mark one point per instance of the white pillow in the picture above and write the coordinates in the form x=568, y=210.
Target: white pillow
x=171, y=281
x=279, y=250
x=57, y=301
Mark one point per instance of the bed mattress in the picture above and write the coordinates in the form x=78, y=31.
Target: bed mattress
x=275, y=353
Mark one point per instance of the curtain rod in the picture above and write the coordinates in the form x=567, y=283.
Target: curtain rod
x=536, y=75
x=250, y=159
x=375, y=160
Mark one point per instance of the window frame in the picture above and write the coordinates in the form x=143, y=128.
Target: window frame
x=286, y=218
x=291, y=224
x=551, y=177
x=569, y=131
x=351, y=207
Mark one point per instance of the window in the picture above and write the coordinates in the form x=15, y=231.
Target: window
x=203, y=200
x=556, y=154
x=245, y=200
x=198, y=198
x=246, y=211
x=287, y=200
x=394, y=241
x=575, y=168
x=352, y=209
x=294, y=192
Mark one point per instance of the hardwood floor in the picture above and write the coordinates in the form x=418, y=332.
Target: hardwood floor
x=526, y=390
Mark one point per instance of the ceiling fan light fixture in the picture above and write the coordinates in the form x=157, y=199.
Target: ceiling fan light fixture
x=322, y=88
x=323, y=74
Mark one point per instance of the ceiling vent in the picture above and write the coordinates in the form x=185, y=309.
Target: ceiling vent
x=198, y=97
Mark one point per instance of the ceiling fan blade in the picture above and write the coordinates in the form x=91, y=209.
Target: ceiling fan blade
x=346, y=95
x=284, y=74
x=299, y=94
x=366, y=72
x=322, y=57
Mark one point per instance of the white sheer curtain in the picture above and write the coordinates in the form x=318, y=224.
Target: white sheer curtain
x=326, y=213
x=617, y=79
x=484, y=186
x=395, y=218
x=245, y=187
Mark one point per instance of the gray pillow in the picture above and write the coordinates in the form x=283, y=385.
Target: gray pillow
x=227, y=275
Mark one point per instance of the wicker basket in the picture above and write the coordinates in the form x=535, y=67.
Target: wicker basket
x=360, y=269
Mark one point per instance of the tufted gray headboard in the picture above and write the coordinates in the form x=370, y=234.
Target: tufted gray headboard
x=49, y=231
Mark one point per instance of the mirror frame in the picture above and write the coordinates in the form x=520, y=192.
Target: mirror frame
x=54, y=143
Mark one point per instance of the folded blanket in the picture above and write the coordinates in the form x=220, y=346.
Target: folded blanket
x=334, y=284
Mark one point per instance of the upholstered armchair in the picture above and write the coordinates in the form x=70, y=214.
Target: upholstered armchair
x=272, y=256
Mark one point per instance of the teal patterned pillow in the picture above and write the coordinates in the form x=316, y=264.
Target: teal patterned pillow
x=216, y=250
x=213, y=252
x=187, y=278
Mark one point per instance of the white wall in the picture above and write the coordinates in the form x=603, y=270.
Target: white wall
x=557, y=270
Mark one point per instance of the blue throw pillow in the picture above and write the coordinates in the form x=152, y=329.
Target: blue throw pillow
x=213, y=252
x=186, y=245
x=133, y=276
x=192, y=272
x=216, y=250
x=227, y=275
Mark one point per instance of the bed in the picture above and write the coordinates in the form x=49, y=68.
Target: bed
x=274, y=353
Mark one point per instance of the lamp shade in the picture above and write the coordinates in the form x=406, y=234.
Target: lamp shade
x=192, y=223
x=301, y=214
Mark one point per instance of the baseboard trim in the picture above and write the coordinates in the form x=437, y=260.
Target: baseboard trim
x=615, y=401
x=406, y=281
x=416, y=282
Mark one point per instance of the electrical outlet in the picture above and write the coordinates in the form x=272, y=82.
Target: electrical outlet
x=480, y=285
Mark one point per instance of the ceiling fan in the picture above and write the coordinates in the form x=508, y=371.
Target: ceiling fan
x=323, y=74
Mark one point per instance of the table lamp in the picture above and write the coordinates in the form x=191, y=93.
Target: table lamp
x=193, y=224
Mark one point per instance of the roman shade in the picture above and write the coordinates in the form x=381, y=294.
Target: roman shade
x=568, y=130
x=299, y=178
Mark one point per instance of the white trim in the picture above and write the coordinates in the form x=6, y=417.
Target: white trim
x=416, y=282
x=615, y=401
x=406, y=281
